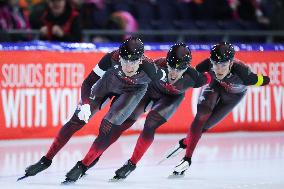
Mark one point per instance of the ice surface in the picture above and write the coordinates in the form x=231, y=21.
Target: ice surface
x=221, y=161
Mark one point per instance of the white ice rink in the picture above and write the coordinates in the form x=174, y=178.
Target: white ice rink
x=221, y=161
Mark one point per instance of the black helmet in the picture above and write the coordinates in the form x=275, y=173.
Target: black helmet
x=131, y=49
x=179, y=56
x=222, y=52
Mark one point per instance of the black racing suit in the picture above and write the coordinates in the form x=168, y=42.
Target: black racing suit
x=217, y=99
x=105, y=81
x=164, y=99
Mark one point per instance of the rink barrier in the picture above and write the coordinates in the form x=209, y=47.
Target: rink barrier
x=40, y=88
x=106, y=47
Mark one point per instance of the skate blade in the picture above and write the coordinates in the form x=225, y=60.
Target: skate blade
x=160, y=162
x=83, y=176
x=115, y=179
x=171, y=155
x=175, y=176
x=23, y=177
x=67, y=182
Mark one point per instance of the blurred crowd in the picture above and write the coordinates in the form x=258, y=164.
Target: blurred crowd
x=64, y=20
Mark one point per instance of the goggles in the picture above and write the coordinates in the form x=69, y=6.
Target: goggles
x=176, y=70
x=220, y=64
x=130, y=62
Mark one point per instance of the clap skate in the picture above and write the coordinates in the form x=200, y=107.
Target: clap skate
x=123, y=172
x=181, y=168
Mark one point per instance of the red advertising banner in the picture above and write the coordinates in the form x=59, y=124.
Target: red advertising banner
x=40, y=91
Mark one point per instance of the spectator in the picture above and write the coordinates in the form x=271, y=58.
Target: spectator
x=217, y=10
x=94, y=14
x=248, y=10
x=26, y=5
x=12, y=17
x=274, y=12
x=277, y=19
x=122, y=20
x=58, y=22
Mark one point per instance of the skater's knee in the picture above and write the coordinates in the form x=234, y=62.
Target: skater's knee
x=76, y=121
x=203, y=112
x=154, y=120
x=126, y=124
x=116, y=117
x=106, y=127
x=134, y=116
x=148, y=131
x=72, y=126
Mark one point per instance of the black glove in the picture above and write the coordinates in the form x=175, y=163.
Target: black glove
x=181, y=144
x=266, y=80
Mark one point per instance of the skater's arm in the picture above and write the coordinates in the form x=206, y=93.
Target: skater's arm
x=248, y=77
x=98, y=71
x=199, y=79
x=204, y=66
x=152, y=70
x=161, y=62
x=87, y=85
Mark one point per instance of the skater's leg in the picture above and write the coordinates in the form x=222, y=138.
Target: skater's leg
x=226, y=104
x=207, y=101
x=162, y=110
x=153, y=121
x=65, y=133
x=71, y=127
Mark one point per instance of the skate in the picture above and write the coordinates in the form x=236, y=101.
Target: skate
x=123, y=172
x=174, y=151
x=181, y=168
x=75, y=173
x=90, y=166
x=34, y=169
